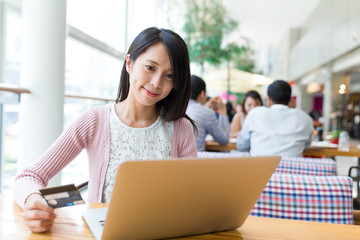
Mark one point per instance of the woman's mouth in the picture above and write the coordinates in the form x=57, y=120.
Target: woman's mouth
x=149, y=93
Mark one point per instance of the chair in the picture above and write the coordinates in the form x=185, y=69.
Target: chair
x=355, y=178
x=309, y=198
x=356, y=217
x=83, y=186
x=288, y=165
x=307, y=166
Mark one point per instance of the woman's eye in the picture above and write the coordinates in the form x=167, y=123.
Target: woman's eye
x=171, y=76
x=150, y=67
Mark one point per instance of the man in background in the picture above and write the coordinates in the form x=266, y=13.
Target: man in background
x=203, y=112
x=276, y=129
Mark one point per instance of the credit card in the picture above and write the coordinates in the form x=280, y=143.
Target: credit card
x=62, y=196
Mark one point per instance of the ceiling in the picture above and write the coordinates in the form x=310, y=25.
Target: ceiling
x=266, y=21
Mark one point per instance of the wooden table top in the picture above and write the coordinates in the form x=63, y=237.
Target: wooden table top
x=70, y=225
x=216, y=147
x=354, y=151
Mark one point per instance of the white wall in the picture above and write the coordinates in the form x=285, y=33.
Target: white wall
x=332, y=30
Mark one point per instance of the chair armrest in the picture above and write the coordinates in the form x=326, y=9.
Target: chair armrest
x=356, y=217
x=81, y=187
x=351, y=168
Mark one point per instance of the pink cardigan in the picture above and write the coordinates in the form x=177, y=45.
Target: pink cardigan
x=92, y=132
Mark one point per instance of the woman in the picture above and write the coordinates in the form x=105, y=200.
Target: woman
x=147, y=121
x=251, y=99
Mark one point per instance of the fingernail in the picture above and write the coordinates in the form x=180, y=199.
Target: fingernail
x=53, y=215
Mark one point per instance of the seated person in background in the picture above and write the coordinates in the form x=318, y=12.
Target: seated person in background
x=205, y=117
x=277, y=130
x=251, y=99
x=230, y=110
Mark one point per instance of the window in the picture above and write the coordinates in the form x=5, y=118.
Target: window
x=90, y=72
x=103, y=20
x=13, y=49
x=10, y=101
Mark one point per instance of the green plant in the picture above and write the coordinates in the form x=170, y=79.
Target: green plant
x=206, y=27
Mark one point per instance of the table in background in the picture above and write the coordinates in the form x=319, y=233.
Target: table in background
x=332, y=152
x=312, y=151
x=216, y=147
x=70, y=225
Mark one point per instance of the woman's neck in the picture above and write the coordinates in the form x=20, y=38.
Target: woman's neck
x=136, y=115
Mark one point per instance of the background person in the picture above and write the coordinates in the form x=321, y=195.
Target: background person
x=251, y=100
x=230, y=110
x=277, y=130
x=148, y=121
x=205, y=117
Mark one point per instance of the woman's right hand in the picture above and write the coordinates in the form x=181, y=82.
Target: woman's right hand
x=38, y=215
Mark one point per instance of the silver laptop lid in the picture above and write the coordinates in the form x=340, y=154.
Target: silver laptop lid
x=171, y=198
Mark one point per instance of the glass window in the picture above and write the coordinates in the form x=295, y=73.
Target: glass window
x=13, y=49
x=144, y=14
x=12, y=66
x=104, y=20
x=10, y=146
x=90, y=72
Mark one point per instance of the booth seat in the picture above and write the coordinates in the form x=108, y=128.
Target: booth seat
x=307, y=166
x=288, y=165
x=309, y=198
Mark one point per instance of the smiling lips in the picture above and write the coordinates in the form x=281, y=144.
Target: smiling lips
x=150, y=94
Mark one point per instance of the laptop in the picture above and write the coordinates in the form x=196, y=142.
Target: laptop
x=180, y=197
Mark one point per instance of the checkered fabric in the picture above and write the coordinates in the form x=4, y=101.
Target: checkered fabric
x=288, y=165
x=310, y=198
x=307, y=166
x=222, y=154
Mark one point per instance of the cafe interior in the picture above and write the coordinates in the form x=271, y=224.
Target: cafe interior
x=60, y=57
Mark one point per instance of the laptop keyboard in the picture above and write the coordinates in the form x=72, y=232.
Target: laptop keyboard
x=102, y=222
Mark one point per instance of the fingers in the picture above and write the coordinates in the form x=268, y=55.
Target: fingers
x=38, y=204
x=38, y=220
x=38, y=215
x=37, y=226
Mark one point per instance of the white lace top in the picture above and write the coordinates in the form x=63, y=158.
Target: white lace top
x=127, y=143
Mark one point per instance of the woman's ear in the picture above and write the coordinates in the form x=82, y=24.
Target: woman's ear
x=128, y=63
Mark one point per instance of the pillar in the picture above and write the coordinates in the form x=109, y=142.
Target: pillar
x=43, y=68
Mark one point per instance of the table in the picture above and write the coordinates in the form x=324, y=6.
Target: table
x=70, y=225
x=312, y=151
x=332, y=152
x=216, y=147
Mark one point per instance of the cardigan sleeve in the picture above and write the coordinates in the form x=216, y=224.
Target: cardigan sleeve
x=70, y=143
x=183, y=144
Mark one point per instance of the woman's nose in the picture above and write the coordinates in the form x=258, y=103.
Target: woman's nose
x=156, y=81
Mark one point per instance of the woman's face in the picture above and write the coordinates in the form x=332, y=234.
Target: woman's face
x=250, y=103
x=151, y=75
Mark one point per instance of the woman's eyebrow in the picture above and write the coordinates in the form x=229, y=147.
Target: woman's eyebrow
x=152, y=61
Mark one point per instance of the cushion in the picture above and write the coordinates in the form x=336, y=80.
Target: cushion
x=307, y=166
x=288, y=165
x=309, y=198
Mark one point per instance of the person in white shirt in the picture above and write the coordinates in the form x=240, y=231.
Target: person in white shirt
x=277, y=129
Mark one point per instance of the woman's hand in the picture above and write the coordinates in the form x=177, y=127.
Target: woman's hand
x=38, y=215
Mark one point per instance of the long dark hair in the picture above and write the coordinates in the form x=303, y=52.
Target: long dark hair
x=172, y=107
x=253, y=94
